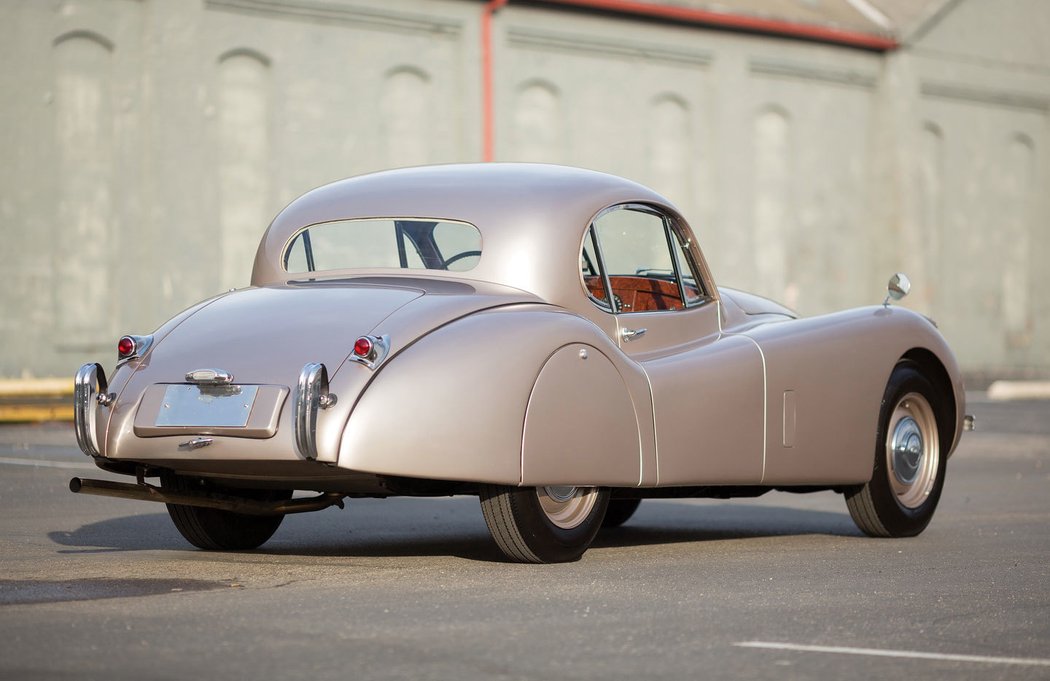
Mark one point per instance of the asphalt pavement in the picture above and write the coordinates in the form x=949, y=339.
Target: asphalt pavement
x=780, y=587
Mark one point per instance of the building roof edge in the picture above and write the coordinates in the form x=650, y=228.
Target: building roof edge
x=878, y=41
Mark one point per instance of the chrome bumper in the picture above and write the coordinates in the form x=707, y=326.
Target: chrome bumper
x=90, y=392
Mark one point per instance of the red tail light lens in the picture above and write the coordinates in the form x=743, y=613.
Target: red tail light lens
x=125, y=347
x=131, y=347
x=370, y=350
x=363, y=346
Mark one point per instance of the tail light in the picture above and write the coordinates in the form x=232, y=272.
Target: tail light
x=132, y=347
x=125, y=347
x=370, y=350
x=364, y=347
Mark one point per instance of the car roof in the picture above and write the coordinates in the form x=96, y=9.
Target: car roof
x=532, y=217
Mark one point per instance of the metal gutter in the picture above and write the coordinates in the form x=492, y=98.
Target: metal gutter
x=739, y=22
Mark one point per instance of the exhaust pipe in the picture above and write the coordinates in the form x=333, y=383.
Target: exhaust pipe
x=224, y=502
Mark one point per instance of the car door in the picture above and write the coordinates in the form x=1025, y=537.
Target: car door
x=707, y=388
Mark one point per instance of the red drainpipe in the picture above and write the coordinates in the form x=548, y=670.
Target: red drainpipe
x=487, y=113
x=678, y=13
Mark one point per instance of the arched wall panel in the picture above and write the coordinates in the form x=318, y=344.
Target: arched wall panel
x=670, y=144
x=537, y=123
x=244, y=159
x=1018, y=185
x=407, y=109
x=83, y=104
x=773, y=203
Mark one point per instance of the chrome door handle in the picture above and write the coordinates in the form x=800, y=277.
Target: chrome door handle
x=629, y=335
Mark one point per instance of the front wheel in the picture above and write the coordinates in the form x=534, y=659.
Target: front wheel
x=909, y=468
x=553, y=524
x=217, y=530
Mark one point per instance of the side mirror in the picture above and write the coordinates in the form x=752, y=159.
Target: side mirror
x=897, y=288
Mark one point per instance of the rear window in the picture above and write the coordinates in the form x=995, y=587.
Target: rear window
x=403, y=243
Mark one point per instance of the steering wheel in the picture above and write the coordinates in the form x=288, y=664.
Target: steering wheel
x=459, y=256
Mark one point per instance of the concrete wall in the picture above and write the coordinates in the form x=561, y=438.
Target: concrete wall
x=149, y=142
x=972, y=100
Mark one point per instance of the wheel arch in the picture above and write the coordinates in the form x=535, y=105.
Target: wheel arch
x=931, y=366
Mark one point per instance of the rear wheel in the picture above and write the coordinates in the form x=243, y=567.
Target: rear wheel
x=553, y=524
x=909, y=468
x=217, y=530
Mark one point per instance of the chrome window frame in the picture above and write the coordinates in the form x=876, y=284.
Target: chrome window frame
x=677, y=235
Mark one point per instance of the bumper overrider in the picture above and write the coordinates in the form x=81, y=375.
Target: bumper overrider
x=90, y=393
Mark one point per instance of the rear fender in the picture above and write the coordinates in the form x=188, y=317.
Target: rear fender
x=481, y=399
x=115, y=421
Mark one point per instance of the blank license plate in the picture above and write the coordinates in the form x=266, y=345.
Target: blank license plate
x=190, y=405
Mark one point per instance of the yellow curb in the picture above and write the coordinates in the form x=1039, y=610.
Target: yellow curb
x=21, y=413
x=36, y=386
x=36, y=399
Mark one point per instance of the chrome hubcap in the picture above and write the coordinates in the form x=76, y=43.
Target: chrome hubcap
x=912, y=450
x=907, y=450
x=567, y=506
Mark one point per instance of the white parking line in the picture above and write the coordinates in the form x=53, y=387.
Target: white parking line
x=984, y=659
x=45, y=463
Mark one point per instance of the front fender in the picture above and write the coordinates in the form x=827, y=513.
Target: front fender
x=825, y=380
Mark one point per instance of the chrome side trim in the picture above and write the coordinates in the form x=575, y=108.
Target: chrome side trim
x=311, y=395
x=90, y=391
x=380, y=349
